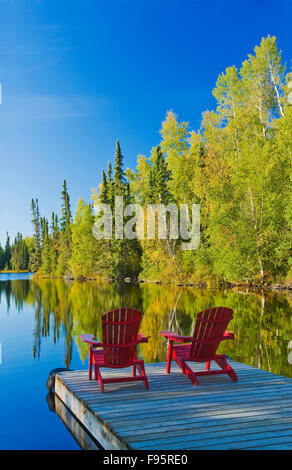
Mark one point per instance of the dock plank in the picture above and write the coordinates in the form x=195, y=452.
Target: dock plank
x=254, y=413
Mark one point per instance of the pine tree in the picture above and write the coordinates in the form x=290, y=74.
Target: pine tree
x=54, y=228
x=35, y=255
x=2, y=258
x=7, y=253
x=66, y=209
x=119, y=176
x=103, y=195
x=128, y=195
x=46, y=248
x=19, y=254
x=110, y=185
x=65, y=235
x=121, y=256
x=157, y=190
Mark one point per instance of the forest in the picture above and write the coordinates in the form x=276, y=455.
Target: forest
x=237, y=166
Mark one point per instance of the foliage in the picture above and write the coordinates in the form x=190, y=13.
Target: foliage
x=237, y=166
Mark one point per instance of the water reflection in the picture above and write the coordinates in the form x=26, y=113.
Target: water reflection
x=262, y=321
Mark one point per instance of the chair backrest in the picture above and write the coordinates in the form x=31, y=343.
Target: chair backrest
x=119, y=331
x=209, y=329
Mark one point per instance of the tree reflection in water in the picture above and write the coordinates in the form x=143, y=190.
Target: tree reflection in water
x=262, y=320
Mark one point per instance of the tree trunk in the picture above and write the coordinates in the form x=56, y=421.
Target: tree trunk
x=276, y=91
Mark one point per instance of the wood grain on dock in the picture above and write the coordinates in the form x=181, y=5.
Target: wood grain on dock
x=254, y=413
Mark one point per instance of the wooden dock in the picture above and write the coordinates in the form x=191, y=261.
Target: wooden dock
x=255, y=413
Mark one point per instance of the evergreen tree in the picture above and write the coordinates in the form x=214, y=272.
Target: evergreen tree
x=2, y=258
x=35, y=254
x=103, y=195
x=54, y=228
x=29, y=241
x=19, y=254
x=122, y=256
x=65, y=234
x=66, y=209
x=159, y=176
x=46, y=266
x=119, y=176
x=7, y=253
x=110, y=185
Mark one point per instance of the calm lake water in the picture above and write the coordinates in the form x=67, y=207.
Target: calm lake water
x=40, y=324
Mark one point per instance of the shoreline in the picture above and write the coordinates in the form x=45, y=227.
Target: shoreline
x=276, y=287
x=15, y=272
x=273, y=287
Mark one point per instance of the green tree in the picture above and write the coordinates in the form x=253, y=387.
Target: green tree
x=159, y=176
x=110, y=185
x=65, y=235
x=65, y=207
x=19, y=254
x=7, y=253
x=35, y=254
x=2, y=258
x=122, y=257
x=54, y=242
x=103, y=195
x=245, y=180
x=46, y=267
x=88, y=256
x=119, y=176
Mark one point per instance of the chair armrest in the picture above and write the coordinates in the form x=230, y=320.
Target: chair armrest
x=142, y=339
x=89, y=339
x=227, y=335
x=172, y=336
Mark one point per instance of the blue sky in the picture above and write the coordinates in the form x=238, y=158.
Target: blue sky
x=79, y=74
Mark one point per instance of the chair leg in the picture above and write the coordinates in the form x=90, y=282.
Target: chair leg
x=208, y=365
x=221, y=361
x=141, y=370
x=98, y=378
x=169, y=356
x=190, y=374
x=146, y=383
x=134, y=370
x=90, y=364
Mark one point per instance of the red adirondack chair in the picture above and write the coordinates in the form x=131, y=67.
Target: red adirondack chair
x=119, y=345
x=209, y=332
